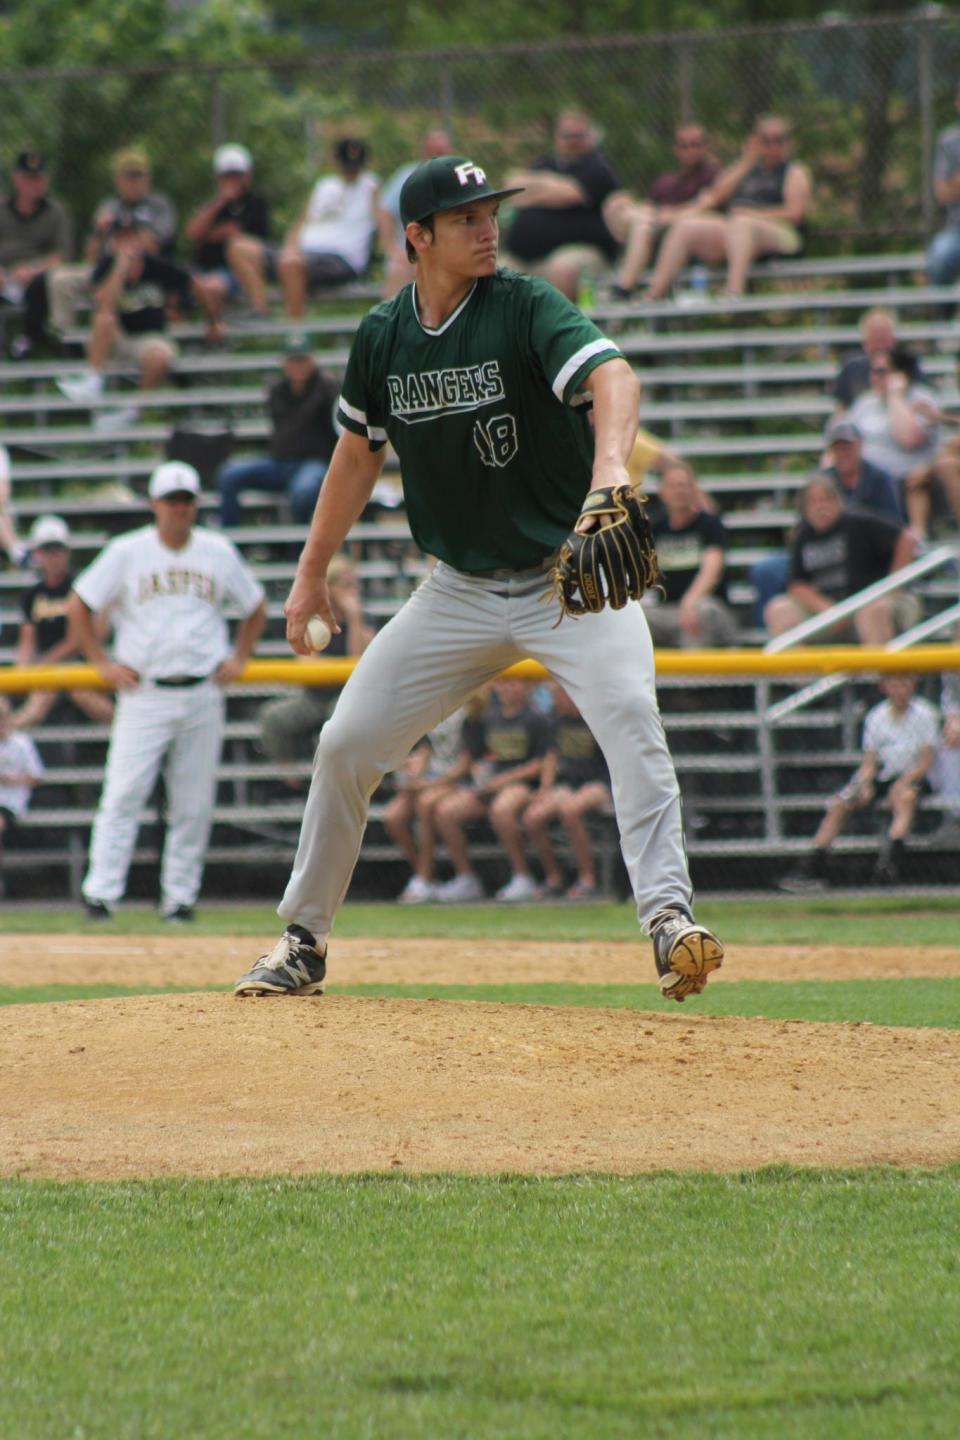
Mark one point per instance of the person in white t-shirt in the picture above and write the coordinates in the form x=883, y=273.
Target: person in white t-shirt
x=945, y=775
x=899, y=743
x=897, y=417
x=20, y=770
x=331, y=242
x=167, y=586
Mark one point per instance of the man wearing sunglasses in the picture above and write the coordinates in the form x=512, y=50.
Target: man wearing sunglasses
x=757, y=207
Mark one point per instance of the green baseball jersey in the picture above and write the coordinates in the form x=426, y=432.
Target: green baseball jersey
x=485, y=413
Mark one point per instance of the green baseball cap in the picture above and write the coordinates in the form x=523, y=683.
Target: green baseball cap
x=444, y=183
x=297, y=342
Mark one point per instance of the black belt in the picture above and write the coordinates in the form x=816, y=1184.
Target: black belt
x=179, y=682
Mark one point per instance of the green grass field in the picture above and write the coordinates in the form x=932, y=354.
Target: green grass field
x=880, y=920
x=771, y=1304
x=790, y=1303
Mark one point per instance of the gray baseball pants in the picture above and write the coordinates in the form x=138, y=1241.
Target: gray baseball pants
x=455, y=633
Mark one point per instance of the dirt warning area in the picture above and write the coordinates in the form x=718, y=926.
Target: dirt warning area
x=206, y=1085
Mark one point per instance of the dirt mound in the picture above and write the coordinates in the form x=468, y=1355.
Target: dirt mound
x=195, y=961
x=207, y=1085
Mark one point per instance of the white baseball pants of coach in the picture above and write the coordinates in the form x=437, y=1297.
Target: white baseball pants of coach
x=454, y=634
x=153, y=724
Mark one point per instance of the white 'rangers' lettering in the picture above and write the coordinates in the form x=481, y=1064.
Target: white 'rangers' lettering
x=430, y=393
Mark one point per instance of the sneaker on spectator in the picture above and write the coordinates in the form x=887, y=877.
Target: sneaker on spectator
x=97, y=909
x=81, y=389
x=106, y=421
x=22, y=348
x=461, y=887
x=417, y=891
x=809, y=877
x=179, y=915
x=518, y=889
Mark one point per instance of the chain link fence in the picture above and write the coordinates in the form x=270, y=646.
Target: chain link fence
x=866, y=99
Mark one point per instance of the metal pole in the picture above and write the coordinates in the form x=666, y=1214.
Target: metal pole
x=685, y=78
x=768, y=763
x=925, y=99
x=446, y=98
x=218, y=113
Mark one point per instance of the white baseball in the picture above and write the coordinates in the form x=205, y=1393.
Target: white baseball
x=318, y=634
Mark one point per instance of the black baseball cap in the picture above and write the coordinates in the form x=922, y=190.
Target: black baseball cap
x=31, y=162
x=351, y=152
x=444, y=183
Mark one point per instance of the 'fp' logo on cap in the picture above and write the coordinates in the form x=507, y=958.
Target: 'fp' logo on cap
x=466, y=170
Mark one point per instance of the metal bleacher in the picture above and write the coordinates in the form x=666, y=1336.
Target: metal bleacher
x=742, y=390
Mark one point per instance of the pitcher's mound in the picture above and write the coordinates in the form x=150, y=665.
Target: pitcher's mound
x=207, y=1085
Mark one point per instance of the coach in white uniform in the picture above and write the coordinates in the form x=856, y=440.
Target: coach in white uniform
x=167, y=586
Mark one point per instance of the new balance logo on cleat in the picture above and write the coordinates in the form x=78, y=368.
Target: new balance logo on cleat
x=293, y=967
x=685, y=953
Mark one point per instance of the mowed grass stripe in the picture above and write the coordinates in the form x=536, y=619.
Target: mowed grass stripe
x=906, y=1002
x=852, y=920
x=934, y=1002
x=774, y=1303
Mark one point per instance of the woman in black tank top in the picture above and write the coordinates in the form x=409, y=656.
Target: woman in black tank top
x=765, y=197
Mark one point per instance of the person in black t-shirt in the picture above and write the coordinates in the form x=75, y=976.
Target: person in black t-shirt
x=229, y=235
x=301, y=408
x=836, y=553
x=131, y=286
x=559, y=231
x=691, y=544
x=507, y=744
x=43, y=638
x=575, y=784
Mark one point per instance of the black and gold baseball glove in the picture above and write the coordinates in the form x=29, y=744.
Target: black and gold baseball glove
x=613, y=562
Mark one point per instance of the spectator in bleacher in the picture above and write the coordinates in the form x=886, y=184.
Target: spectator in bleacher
x=507, y=745
x=229, y=235
x=943, y=255
x=20, y=770
x=640, y=225
x=691, y=545
x=575, y=783
x=945, y=772
x=133, y=195
x=12, y=547
x=899, y=742
x=432, y=770
x=862, y=486
x=168, y=586
x=928, y=484
x=131, y=286
x=558, y=230
x=285, y=722
x=897, y=417
x=302, y=438
x=43, y=638
x=332, y=241
x=836, y=553
x=765, y=197
x=878, y=336
x=397, y=269
x=35, y=236
x=648, y=457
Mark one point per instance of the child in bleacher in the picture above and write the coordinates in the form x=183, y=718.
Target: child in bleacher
x=20, y=770
x=899, y=743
